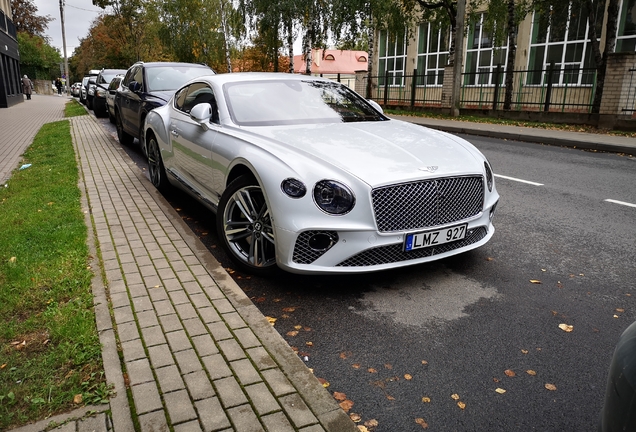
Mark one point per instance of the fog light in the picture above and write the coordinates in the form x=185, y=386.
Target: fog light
x=320, y=242
x=492, y=210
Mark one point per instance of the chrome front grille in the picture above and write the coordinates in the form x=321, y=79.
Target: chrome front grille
x=425, y=204
x=395, y=253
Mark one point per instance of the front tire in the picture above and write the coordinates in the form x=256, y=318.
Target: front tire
x=244, y=226
x=155, y=165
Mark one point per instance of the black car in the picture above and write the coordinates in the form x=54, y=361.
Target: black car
x=101, y=90
x=147, y=86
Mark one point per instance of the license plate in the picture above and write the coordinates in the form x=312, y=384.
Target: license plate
x=434, y=238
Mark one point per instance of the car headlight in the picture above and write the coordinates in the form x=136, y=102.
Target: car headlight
x=333, y=197
x=489, y=176
x=293, y=188
x=101, y=92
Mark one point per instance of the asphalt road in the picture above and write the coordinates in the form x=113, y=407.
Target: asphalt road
x=437, y=345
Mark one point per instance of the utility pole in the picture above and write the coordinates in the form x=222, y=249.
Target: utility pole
x=459, y=57
x=68, y=78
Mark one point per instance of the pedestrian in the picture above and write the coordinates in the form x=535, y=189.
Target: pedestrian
x=27, y=87
x=58, y=84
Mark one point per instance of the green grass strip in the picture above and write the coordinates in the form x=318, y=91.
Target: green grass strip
x=74, y=108
x=49, y=346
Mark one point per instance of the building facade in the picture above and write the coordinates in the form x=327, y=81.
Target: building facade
x=556, y=56
x=10, y=83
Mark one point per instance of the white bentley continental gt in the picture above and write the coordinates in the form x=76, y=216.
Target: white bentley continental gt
x=306, y=175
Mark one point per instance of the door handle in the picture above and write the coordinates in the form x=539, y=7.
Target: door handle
x=174, y=132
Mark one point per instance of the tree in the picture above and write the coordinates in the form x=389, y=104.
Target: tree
x=38, y=59
x=26, y=19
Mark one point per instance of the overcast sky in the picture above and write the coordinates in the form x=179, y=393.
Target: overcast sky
x=78, y=16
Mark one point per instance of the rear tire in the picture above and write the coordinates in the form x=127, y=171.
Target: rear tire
x=156, y=169
x=244, y=226
x=124, y=137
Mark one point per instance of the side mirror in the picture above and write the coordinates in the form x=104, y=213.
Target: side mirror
x=201, y=113
x=375, y=105
x=134, y=86
x=92, y=81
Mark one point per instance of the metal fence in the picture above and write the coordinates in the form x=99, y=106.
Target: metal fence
x=562, y=88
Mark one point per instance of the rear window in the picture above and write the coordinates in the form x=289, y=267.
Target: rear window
x=164, y=78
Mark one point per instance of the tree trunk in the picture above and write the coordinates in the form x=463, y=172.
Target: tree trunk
x=307, y=48
x=512, y=52
x=610, y=44
x=228, y=60
x=371, y=36
x=290, y=44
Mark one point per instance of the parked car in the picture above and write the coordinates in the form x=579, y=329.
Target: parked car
x=102, y=81
x=86, y=87
x=75, y=89
x=147, y=86
x=306, y=175
x=113, y=87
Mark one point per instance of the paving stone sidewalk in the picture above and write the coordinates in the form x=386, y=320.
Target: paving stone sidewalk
x=197, y=355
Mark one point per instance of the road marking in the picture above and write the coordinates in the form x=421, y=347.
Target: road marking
x=621, y=203
x=518, y=180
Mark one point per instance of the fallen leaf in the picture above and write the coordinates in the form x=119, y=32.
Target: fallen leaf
x=294, y=349
x=324, y=382
x=461, y=404
x=554, y=313
x=408, y=377
x=356, y=365
x=388, y=366
x=531, y=372
x=285, y=316
x=489, y=259
x=543, y=270
x=496, y=380
x=424, y=362
x=362, y=428
x=615, y=316
x=289, y=309
x=271, y=320
x=535, y=281
x=426, y=399
x=371, y=370
x=500, y=390
x=307, y=328
x=12, y=259
x=620, y=310
x=339, y=396
x=510, y=373
x=260, y=300
x=346, y=405
x=276, y=300
x=298, y=327
x=550, y=387
x=355, y=417
x=371, y=423
x=292, y=333
x=421, y=422
x=345, y=354
x=4, y=365
x=309, y=343
x=523, y=351
x=78, y=399
x=566, y=328
x=455, y=396
x=389, y=397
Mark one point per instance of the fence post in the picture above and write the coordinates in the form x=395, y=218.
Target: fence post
x=386, y=88
x=548, y=91
x=338, y=76
x=496, y=95
x=413, y=88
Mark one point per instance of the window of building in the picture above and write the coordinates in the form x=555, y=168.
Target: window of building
x=432, y=53
x=564, y=43
x=626, y=36
x=392, y=58
x=482, y=58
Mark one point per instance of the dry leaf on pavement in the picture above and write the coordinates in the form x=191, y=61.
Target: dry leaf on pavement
x=298, y=327
x=461, y=404
x=371, y=370
x=355, y=417
x=292, y=333
x=271, y=320
x=78, y=399
x=371, y=423
x=339, y=396
x=289, y=309
x=420, y=421
x=426, y=399
x=362, y=428
x=500, y=390
x=356, y=365
x=566, y=328
x=408, y=377
x=535, y=281
x=324, y=382
x=455, y=396
x=346, y=405
x=531, y=372
x=550, y=387
x=510, y=373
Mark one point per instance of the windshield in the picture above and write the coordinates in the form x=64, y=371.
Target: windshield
x=267, y=103
x=108, y=77
x=172, y=77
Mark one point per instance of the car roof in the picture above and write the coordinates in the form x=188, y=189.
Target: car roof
x=261, y=76
x=158, y=64
x=118, y=71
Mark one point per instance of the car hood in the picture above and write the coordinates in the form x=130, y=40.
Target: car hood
x=403, y=151
x=163, y=95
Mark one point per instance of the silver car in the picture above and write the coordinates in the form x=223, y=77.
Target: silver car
x=306, y=175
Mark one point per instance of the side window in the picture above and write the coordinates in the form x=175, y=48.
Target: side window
x=179, y=98
x=200, y=93
x=139, y=76
x=129, y=76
